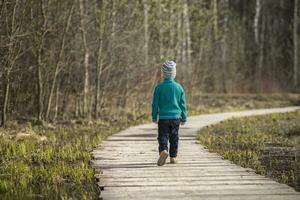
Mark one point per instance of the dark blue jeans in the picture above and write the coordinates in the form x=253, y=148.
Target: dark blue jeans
x=168, y=132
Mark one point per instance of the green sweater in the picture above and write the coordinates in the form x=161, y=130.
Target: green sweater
x=169, y=101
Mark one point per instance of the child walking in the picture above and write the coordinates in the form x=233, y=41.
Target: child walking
x=169, y=112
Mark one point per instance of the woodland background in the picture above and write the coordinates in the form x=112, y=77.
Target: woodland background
x=76, y=58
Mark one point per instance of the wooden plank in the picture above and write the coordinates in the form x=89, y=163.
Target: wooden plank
x=109, y=183
x=189, y=196
x=192, y=173
x=158, y=177
x=176, y=179
x=201, y=188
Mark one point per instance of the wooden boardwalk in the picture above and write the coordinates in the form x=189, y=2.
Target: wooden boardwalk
x=126, y=167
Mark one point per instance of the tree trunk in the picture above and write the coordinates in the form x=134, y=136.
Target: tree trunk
x=5, y=102
x=99, y=12
x=195, y=74
x=258, y=45
x=183, y=40
x=215, y=13
x=216, y=50
x=295, y=40
x=188, y=33
x=186, y=43
x=172, y=31
x=146, y=33
x=10, y=61
x=86, y=58
x=39, y=84
x=77, y=105
x=56, y=103
x=256, y=20
x=224, y=49
x=57, y=65
x=261, y=50
x=161, y=40
x=40, y=64
x=161, y=46
x=146, y=8
x=112, y=49
x=86, y=84
x=179, y=38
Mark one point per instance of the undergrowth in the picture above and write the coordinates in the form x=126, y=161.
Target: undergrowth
x=49, y=163
x=242, y=140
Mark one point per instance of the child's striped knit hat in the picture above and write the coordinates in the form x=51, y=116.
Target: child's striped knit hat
x=168, y=69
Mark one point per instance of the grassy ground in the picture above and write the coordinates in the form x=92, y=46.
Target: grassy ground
x=49, y=164
x=212, y=103
x=244, y=140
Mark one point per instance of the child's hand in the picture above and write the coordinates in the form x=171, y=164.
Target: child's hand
x=156, y=122
x=182, y=123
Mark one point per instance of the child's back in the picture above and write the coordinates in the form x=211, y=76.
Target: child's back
x=169, y=101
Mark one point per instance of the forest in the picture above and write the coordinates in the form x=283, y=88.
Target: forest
x=76, y=58
x=74, y=72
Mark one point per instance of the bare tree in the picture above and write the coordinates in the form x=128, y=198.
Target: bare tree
x=161, y=46
x=13, y=27
x=58, y=61
x=215, y=16
x=100, y=20
x=295, y=39
x=112, y=42
x=179, y=38
x=86, y=56
x=161, y=39
x=56, y=102
x=256, y=20
x=41, y=37
x=259, y=41
x=187, y=29
x=261, y=50
x=224, y=48
x=146, y=32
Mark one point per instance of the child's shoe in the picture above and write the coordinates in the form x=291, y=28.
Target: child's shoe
x=173, y=160
x=162, y=158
